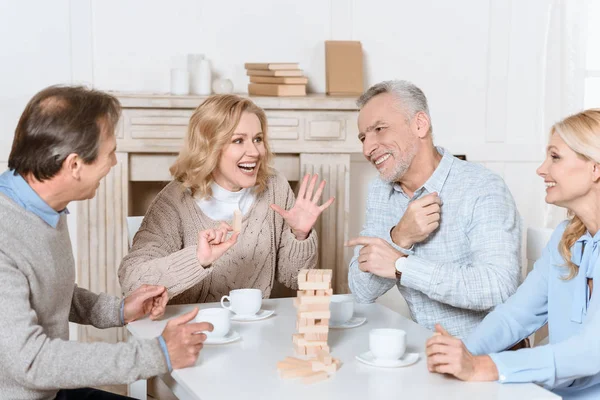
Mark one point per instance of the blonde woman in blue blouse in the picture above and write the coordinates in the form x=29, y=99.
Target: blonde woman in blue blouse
x=559, y=290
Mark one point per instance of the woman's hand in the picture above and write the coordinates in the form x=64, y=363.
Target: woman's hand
x=306, y=210
x=448, y=355
x=213, y=243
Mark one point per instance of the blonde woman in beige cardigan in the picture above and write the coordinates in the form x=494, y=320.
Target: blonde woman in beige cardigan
x=182, y=243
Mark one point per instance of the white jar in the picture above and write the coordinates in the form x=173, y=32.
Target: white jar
x=205, y=78
x=222, y=86
x=180, y=81
x=201, y=77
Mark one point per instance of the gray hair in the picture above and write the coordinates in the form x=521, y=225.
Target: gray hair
x=409, y=96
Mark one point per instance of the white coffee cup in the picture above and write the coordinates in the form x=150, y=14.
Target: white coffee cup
x=387, y=344
x=243, y=302
x=341, y=308
x=220, y=319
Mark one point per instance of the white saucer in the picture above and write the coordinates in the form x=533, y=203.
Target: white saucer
x=232, y=336
x=369, y=359
x=351, y=323
x=262, y=314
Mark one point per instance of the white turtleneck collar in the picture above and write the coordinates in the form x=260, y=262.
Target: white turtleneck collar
x=221, y=205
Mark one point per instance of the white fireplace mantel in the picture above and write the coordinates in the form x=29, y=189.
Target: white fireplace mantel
x=312, y=134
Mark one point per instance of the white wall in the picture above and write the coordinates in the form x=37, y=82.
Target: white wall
x=481, y=63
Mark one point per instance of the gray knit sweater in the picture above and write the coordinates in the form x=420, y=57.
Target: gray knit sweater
x=39, y=297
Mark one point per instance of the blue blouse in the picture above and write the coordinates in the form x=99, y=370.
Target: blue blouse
x=570, y=364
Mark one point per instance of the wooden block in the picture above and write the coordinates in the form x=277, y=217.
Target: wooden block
x=322, y=322
x=306, y=321
x=281, y=365
x=337, y=363
x=312, y=276
x=315, y=314
x=313, y=329
x=312, y=351
x=318, y=275
x=306, y=293
x=315, y=286
x=302, y=276
x=237, y=221
x=297, y=361
x=324, y=356
x=315, y=377
x=296, y=373
x=300, y=350
x=321, y=366
x=327, y=275
x=316, y=336
x=308, y=307
x=299, y=326
x=328, y=292
x=312, y=300
x=297, y=337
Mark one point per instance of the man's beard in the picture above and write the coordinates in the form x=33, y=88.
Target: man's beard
x=401, y=166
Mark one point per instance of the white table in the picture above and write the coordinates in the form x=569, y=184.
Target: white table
x=247, y=368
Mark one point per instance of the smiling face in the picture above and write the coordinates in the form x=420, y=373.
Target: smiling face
x=569, y=177
x=240, y=159
x=389, y=140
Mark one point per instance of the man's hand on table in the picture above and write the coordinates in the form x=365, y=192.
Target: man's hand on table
x=421, y=218
x=145, y=299
x=184, y=341
x=376, y=256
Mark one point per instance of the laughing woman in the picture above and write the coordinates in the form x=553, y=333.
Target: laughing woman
x=559, y=290
x=224, y=166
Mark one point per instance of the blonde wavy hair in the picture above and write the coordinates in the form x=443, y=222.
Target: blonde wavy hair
x=581, y=132
x=210, y=130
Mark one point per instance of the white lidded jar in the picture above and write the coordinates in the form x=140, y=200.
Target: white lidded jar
x=200, y=74
x=205, y=78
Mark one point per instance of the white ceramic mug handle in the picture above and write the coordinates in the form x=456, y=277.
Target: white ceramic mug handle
x=223, y=303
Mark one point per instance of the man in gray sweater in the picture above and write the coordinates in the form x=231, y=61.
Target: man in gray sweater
x=64, y=145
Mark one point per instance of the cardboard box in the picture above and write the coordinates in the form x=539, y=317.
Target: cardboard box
x=344, y=67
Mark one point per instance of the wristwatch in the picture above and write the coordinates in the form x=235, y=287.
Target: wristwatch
x=399, y=267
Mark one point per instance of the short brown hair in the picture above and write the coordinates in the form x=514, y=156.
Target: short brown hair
x=58, y=121
x=210, y=129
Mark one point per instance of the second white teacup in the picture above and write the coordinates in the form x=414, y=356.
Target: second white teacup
x=341, y=308
x=220, y=319
x=387, y=344
x=243, y=302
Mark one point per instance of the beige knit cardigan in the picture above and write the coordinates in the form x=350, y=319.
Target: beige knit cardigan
x=164, y=249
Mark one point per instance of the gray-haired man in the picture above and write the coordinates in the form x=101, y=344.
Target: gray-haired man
x=446, y=232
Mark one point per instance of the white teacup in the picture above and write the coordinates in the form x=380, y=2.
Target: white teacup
x=243, y=302
x=220, y=319
x=387, y=344
x=341, y=308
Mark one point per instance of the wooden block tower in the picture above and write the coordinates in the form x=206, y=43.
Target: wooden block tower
x=312, y=304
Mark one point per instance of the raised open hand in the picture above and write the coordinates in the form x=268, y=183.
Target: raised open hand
x=303, y=215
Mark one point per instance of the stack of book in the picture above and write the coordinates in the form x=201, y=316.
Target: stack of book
x=276, y=79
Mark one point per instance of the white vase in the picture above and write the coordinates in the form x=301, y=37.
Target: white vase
x=202, y=78
x=222, y=86
x=180, y=81
x=193, y=65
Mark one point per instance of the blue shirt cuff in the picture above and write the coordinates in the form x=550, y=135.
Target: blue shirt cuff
x=526, y=365
x=122, y=312
x=163, y=346
x=408, y=252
